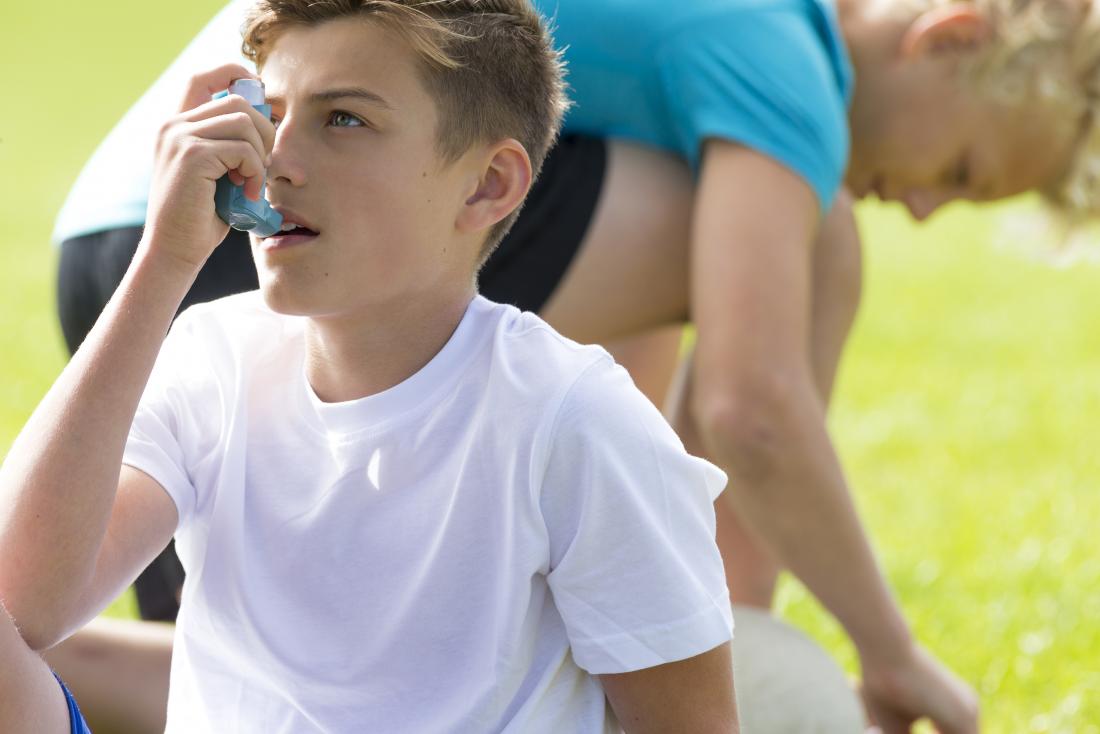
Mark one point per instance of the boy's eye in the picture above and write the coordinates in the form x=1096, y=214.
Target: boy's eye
x=344, y=119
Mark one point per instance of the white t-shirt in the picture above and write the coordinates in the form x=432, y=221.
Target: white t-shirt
x=459, y=553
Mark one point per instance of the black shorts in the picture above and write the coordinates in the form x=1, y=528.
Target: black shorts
x=523, y=271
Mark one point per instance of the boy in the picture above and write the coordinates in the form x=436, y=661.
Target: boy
x=400, y=506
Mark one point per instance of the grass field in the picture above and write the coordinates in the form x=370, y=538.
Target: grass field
x=967, y=411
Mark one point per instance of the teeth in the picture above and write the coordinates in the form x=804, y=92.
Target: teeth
x=287, y=226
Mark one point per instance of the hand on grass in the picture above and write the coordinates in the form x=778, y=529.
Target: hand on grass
x=899, y=693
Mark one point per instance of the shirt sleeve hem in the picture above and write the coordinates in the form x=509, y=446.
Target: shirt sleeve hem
x=170, y=479
x=667, y=643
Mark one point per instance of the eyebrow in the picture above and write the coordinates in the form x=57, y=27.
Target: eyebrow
x=330, y=95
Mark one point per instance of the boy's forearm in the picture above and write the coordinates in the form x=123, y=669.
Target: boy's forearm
x=58, y=482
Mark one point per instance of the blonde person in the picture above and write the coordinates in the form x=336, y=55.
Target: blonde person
x=709, y=167
x=402, y=507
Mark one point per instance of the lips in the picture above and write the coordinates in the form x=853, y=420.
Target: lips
x=296, y=230
x=283, y=241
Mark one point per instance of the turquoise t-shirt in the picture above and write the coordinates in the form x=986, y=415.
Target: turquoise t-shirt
x=773, y=75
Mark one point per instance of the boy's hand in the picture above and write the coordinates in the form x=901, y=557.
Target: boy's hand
x=203, y=142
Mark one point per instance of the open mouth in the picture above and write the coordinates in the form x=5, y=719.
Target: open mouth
x=291, y=235
x=297, y=231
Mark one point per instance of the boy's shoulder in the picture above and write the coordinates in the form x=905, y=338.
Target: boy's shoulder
x=532, y=355
x=571, y=391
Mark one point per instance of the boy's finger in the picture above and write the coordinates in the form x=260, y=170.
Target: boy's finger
x=240, y=122
x=243, y=159
x=203, y=86
x=263, y=126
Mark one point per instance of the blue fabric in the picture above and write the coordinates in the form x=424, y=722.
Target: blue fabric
x=773, y=75
x=77, y=725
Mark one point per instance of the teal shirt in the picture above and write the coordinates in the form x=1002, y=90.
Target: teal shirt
x=773, y=75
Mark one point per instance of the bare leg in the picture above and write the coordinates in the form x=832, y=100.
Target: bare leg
x=31, y=701
x=118, y=671
x=651, y=360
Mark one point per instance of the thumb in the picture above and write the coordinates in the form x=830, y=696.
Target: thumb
x=205, y=85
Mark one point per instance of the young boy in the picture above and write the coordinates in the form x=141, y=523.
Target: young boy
x=400, y=506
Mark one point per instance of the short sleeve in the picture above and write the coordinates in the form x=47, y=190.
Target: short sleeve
x=165, y=436
x=771, y=84
x=634, y=568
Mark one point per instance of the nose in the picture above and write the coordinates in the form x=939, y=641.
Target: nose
x=287, y=155
x=922, y=202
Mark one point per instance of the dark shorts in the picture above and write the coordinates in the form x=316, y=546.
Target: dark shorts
x=523, y=271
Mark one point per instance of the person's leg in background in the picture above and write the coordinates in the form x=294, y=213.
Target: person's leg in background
x=118, y=670
x=651, y=359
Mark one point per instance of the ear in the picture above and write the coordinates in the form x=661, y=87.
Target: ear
x=955, y=28
x=503, y=181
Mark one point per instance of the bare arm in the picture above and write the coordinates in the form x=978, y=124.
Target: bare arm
x=755, y=397
x=59, y=481
x=693, y=695
x=759, y=411
x=73, y=528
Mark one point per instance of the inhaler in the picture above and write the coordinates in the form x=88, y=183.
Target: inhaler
x=236, y=209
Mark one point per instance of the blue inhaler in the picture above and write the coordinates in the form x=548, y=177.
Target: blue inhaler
x=235, y=209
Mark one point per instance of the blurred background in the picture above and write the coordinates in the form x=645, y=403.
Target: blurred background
x=967, y=411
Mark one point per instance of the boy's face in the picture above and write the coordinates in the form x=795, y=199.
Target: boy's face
x=355, y=160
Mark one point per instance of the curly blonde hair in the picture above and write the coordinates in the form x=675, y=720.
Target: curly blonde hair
x=1046, y=52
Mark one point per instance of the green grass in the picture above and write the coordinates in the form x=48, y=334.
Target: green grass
x=966, y=413
x=68, y=72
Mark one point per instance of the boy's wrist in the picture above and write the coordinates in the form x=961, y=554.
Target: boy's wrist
x=170, y=272
x=161, y=254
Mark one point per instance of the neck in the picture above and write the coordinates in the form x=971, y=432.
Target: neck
x=353, y=356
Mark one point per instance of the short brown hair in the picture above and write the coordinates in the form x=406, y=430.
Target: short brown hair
x=489, y=64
